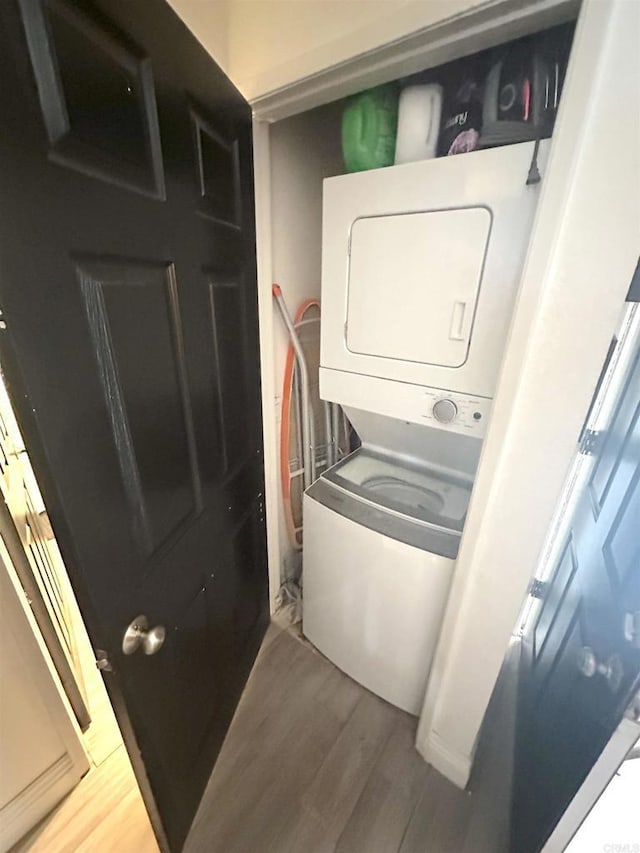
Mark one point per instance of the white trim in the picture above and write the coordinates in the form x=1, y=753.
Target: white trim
x=488, y=24
x=37, y=799
x=605, y=768
x=454, y=765
x=262, y=185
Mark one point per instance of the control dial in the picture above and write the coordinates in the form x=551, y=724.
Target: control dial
x=445, y=411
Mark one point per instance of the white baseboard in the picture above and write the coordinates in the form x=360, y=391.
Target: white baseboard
x=22, y=813
x=454, y=765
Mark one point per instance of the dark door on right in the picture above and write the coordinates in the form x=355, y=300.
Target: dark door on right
x=582, y=659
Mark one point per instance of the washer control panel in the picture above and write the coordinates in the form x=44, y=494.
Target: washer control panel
x=458, y=412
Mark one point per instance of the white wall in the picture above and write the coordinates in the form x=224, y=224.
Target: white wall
x=264, y=45
x=271, y=44
x=580, y=263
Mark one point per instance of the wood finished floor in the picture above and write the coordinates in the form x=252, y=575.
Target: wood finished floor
x=313, y=763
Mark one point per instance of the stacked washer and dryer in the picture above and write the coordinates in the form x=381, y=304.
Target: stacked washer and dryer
x=420, y=271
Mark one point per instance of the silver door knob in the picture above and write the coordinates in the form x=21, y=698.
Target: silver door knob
x=139, y=634
x=589, y=665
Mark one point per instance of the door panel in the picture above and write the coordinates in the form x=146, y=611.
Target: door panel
x=556, y=609
x=218, y=165
x=621, y=549
x=128, y=306
x=566, y=714
x=128, y=284
x=97, y=96
x=228, y=320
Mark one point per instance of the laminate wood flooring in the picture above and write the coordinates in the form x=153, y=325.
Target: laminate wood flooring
x=314, y=763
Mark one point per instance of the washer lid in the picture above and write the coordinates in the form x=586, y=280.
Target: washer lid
x=428, y=495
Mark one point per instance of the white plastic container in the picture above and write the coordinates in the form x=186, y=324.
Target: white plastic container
x=419, y=114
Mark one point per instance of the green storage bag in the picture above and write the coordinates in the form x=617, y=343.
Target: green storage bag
x=369, y=126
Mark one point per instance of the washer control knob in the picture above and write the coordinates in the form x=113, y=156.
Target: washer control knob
x=445, y=411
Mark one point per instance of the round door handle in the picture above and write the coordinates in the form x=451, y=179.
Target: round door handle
x=589, y=666
x=138, y=634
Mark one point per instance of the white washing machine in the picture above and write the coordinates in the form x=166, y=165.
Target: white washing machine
x=381, y=535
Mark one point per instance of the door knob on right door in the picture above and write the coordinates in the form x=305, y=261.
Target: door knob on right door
x=589, y=666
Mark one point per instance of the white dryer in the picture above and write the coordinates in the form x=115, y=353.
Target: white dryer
x=420, y=269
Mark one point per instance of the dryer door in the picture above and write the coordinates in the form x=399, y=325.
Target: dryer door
x=414, y=280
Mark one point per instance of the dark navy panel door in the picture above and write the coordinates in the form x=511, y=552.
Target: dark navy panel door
x=128, y=286
x=581, y=661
